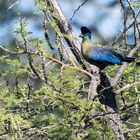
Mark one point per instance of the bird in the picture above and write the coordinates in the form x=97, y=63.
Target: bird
x=99, y=56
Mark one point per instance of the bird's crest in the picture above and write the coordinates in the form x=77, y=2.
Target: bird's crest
x=85, y=32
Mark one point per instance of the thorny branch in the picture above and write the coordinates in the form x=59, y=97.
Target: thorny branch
x=127, y=87
x=134, y=24
x=103, y=113
x=50, y=58
x=136, y=42
x=46, y=35
x=123, y=67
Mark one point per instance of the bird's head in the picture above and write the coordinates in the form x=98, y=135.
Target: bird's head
x=85, y=33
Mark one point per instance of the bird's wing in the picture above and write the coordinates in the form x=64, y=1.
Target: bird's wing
x=116, y=53
x=103, y=55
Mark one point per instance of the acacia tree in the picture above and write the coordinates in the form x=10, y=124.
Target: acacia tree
x=74, y=100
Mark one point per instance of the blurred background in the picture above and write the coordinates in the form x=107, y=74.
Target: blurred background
x=103, y=17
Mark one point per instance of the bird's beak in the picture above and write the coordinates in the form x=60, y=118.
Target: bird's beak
x=81, y=35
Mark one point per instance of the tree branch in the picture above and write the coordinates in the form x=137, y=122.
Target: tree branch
x=127, y=86
x=78, y=9
x=118, y=75
x=66, y=29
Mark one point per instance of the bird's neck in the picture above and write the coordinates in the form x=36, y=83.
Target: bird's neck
x=86, y=45
x=86, y=40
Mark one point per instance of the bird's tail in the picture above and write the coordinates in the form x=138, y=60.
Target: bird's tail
x=129, y=59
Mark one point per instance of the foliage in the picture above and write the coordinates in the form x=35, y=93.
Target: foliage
x=45, y=98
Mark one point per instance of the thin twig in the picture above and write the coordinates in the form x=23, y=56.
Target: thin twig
x=9, y=9
x=127, y=87
x=77, y=9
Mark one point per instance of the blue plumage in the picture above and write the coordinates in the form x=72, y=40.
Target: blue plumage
x=98, y=56
x=103, y=55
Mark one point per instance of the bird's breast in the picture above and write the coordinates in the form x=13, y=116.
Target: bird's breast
x=85, y=49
